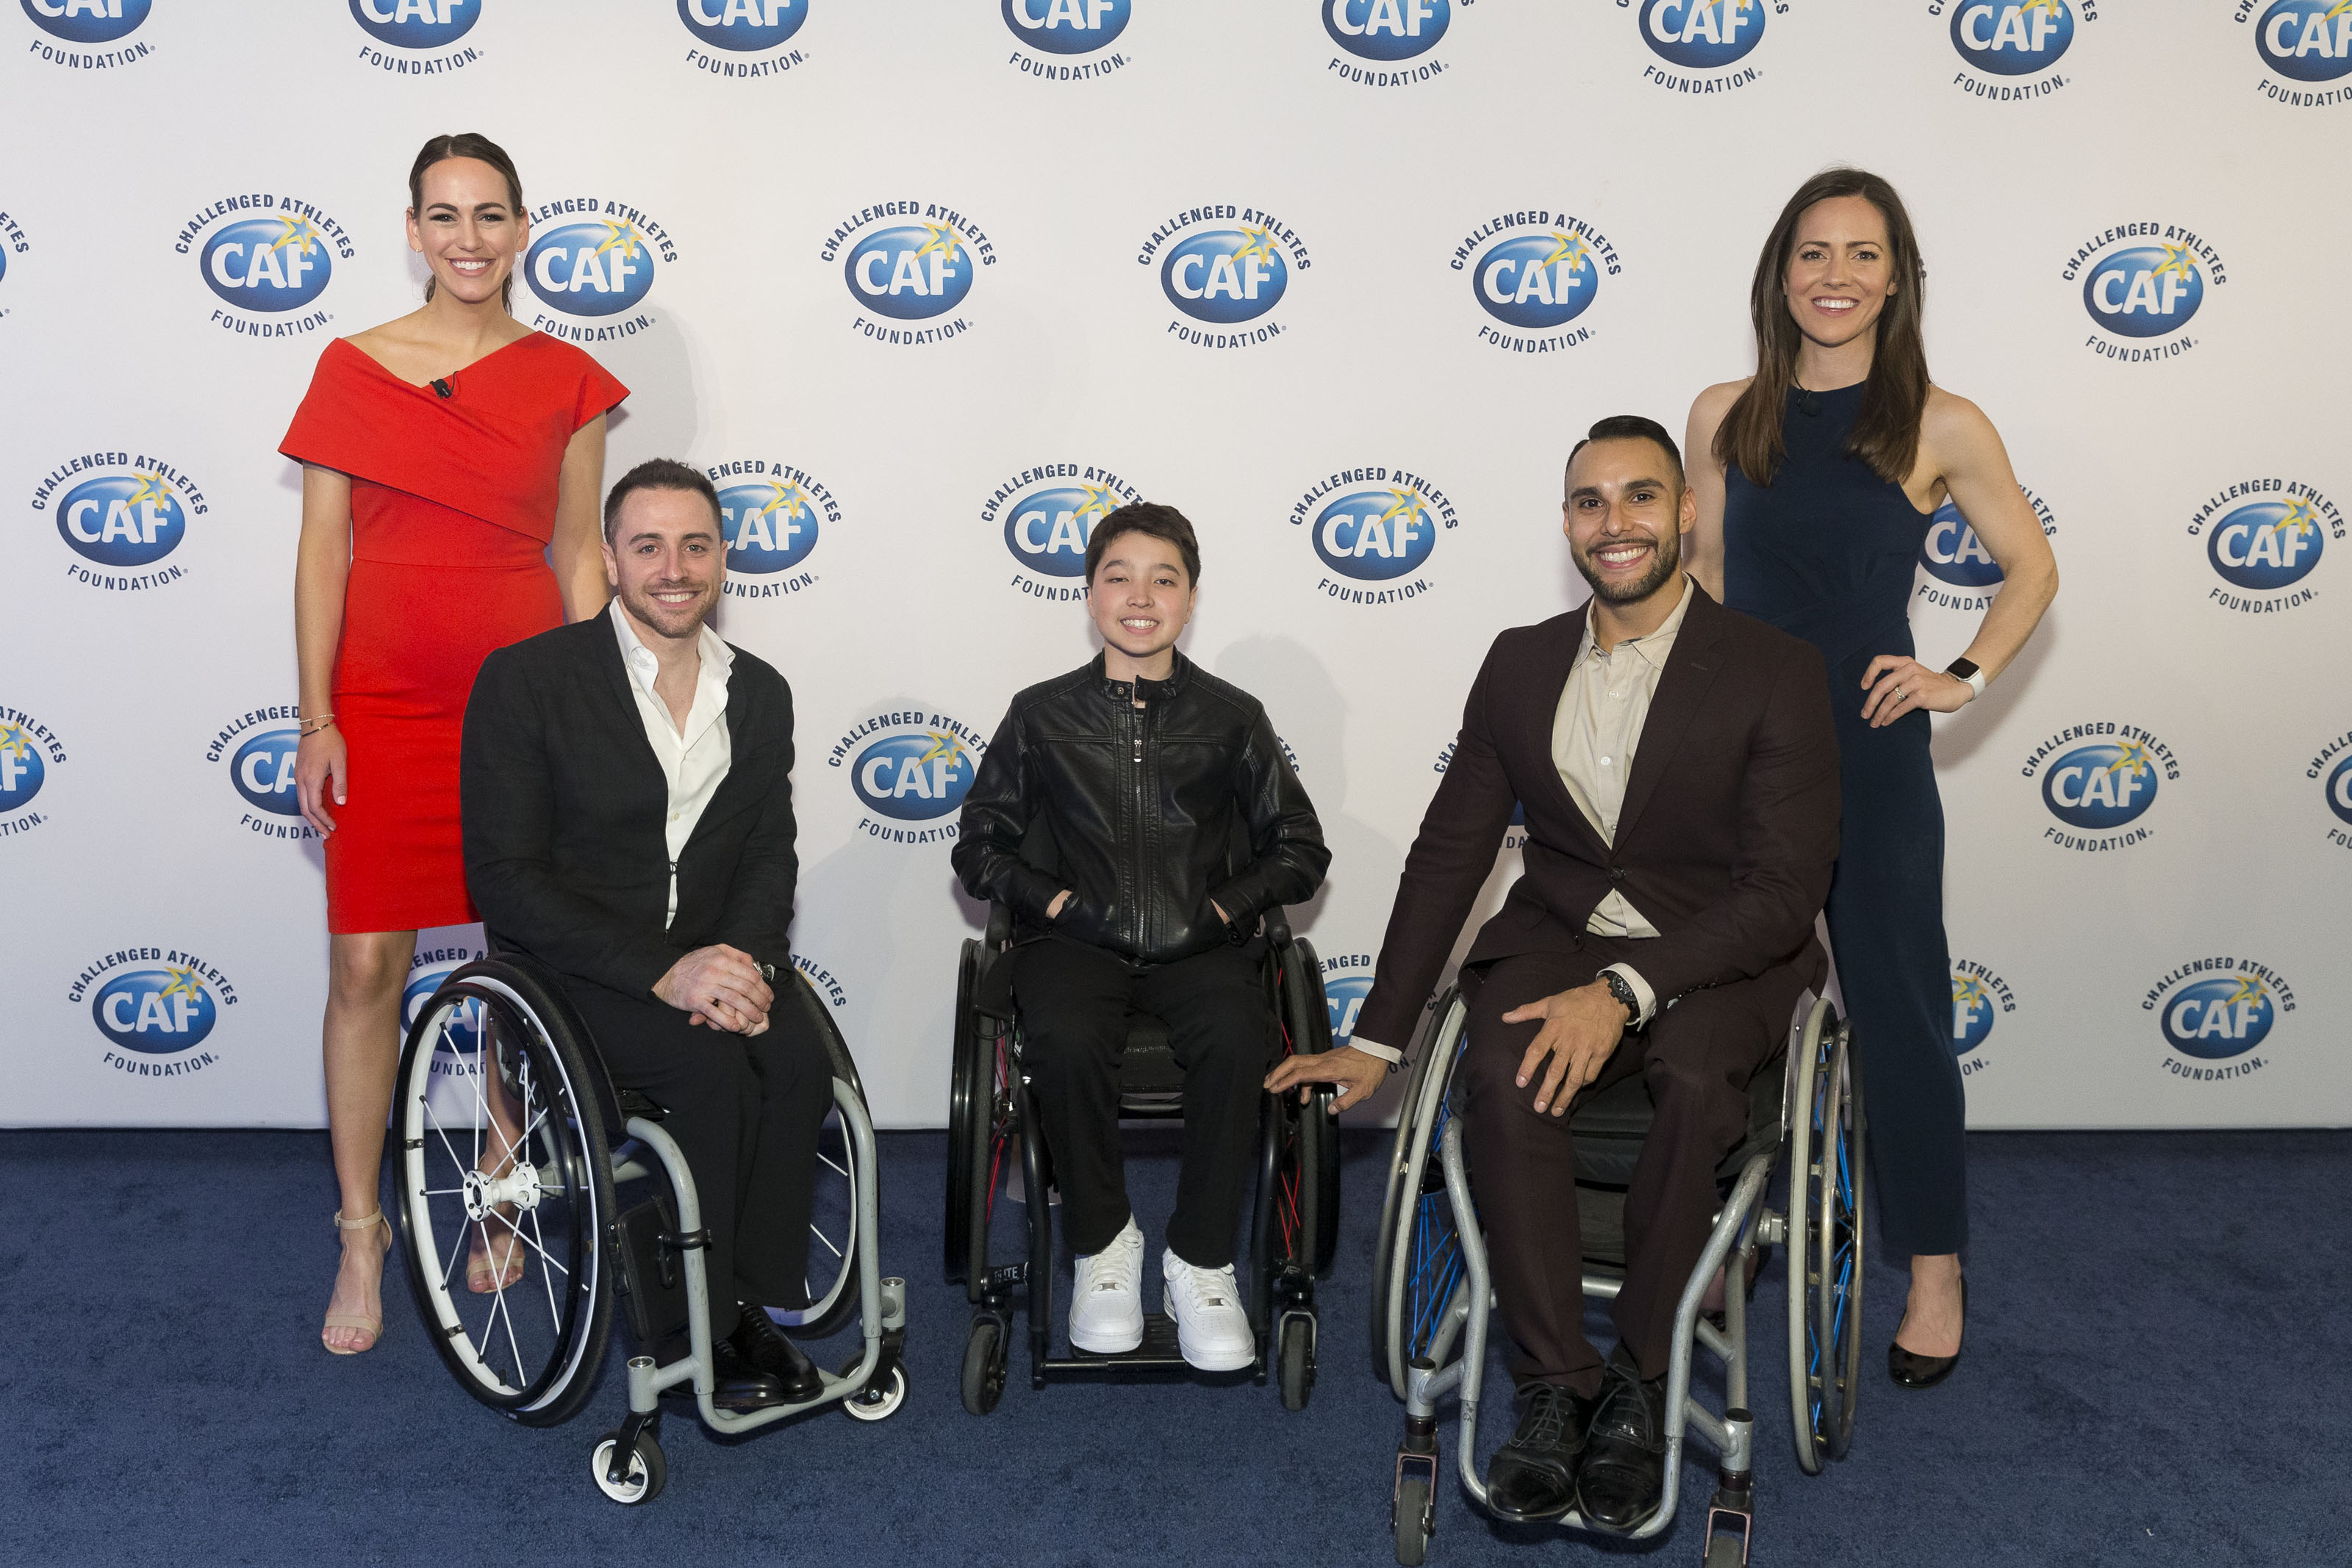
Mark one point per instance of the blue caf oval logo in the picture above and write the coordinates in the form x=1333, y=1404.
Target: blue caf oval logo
x=2269, y=544
x=1386, y=29
x=769, y=526
x=1952, y=553
x=2223, y=1017
x=1068, y=27
x=743, y=25
x=1702, y=35
x=1225, y=276
x=22, y=770
x=914, y=776
x=159, y=1012
x=596, y=268
x=1344, y=997
x=416, y=23
x=267, y=264
x=2145, y=291
x=2340, y=789
x=2104, y=785
x=1375, y=535
x=463, y=1030
x=2013, y=39
x=1047, y=530
x=2306, y=40
x=263, y=771
x=1536, y=280
x=122, y=519
x=87, y=21
x=911, y=272
x=1972, y=1011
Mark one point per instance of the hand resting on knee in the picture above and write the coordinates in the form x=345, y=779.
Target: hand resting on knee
x=721, y=987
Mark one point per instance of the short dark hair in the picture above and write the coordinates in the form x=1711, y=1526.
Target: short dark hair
x=1628, y=427
x=657, y=474
x=1145, y=517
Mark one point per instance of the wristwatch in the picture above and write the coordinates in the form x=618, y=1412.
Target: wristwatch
x=767, y=971
x=1623, y=991
x=1969, y=673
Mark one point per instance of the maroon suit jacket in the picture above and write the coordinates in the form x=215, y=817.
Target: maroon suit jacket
x=1726, y=842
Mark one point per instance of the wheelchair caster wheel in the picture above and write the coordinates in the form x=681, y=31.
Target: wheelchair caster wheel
x=1416, y=1520
x=985, y=1356
x=870, y=1404
x=1294, y=1363
x=642, y=1479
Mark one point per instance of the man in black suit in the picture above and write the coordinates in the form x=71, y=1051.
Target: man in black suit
x=1678, y=764
x=627, y=789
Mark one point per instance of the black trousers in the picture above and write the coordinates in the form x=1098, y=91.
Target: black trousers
x=1698, y=1057
x=745, y=1110
x=1074, y=1000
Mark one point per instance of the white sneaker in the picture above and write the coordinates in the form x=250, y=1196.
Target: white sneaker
x=1212, y=1330
x=1107, y=1303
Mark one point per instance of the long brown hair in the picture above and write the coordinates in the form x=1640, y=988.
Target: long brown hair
x=1886, y=430
x=466, y=144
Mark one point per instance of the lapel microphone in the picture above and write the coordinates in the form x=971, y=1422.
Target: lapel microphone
x=1807, y=404
x=447, y=386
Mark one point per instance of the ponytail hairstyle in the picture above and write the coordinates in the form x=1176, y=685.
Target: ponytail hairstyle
x=1886, y=430
x=466, y=144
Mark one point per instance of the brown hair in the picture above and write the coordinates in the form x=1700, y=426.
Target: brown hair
x=659, y=474
x=1886, y=430
x=1145, y=517
x=466, y=144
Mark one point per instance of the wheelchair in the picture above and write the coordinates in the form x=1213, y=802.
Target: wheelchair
x=1432, y=1297
x=1295, y=1218
x=509, y=1128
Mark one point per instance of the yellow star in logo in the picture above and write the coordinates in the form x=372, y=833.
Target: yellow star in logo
x=1259, y=242
x=299, y=234
x=15, y=742
x=185, y=983
x=2057, y=8
x=2177, y=259
x=2249, y=990
x=1098, y=500
x=1967, y=991
x=787, y=500
x=2135, y=759
x=151, y=488
x=1569, y=249
x=621, y=236
x=2302, y=516
x=943, y=746
x=1408, y=505
x=944, y=240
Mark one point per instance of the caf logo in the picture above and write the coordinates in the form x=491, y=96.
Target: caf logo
x=909, y=768
x=1048, y=515
x=1952, y=553
x=87, y=21
x=2266, y=546
x=2009, y=39
x=2098, y=777
x=2141, y=292
x=1347, y=981
x=258, y=749
x=1068, y=27
x=594, y=258
x=1224, y=266
x=1387, y=32
x=268, y=258
x=416, y=23
x=771, y=513
x=2217, y=1010
x=155, y=1007
x=917, y=270
x=120, y=513
x=2305, y=41
x=2335, y=776
x=28, y=749
x=1979, y=996
x=1541, y=273
x=1374, y=525
x=745, y=26
x=1702, y=35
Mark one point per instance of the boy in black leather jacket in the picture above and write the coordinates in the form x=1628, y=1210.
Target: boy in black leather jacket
x=1143, y=766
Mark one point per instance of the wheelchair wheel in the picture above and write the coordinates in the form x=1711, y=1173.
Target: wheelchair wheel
x=831, y=1282
x=963, y=1095
x=1384, y=1235
x=1294, y=1363
x=1304, y=1015
x=500, y=1140
x=985, y=1356
x=990, y=1154
x=642, y=1479
x=1825, y=1241
x=1422, y=1265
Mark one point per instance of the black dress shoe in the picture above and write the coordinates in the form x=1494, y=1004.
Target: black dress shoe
x=1533, y=1478
x=1624, y=1471
x=1911, y=1370
x=736, y=1383
x=767, y=1348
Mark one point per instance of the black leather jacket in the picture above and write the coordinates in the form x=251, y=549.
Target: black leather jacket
x=1155, y=813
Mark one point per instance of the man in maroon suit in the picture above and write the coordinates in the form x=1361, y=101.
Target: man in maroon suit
x=1679, y=767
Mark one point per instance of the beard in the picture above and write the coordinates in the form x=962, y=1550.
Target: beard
x=669, y=620
x=1665, y=559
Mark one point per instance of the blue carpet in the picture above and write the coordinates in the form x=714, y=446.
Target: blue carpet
x=2153, y=1376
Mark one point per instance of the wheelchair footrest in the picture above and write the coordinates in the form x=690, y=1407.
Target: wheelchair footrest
x=1158, y=1352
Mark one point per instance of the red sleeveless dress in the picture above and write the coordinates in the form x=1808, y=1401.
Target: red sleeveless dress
x=453, y=504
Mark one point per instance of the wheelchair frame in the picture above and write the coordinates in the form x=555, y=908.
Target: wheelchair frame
x=1820, y=1129
x=1280, y=1294
x=577, y=1104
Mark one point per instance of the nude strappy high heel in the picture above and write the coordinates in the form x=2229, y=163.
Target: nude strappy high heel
x=374, y=1325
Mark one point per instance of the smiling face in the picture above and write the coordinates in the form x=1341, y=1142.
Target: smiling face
x=1841, y=270
x=1140, y=599
x=467, y=229
x=666, y=562
x=1624, y=516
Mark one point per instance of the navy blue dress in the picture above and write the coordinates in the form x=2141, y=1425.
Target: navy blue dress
x=1826, y=552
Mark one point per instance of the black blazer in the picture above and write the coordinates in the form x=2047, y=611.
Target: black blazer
x=1726, y=842
x=564, y=804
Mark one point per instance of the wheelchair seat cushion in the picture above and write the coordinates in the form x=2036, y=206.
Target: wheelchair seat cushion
x=1150, y=1082
x=1609, y=1128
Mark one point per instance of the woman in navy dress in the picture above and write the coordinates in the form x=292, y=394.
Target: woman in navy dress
x=1816, y=479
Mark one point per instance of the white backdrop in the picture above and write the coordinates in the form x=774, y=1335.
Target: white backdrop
x=2163, y=946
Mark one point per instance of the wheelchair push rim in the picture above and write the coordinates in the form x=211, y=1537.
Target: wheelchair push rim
x=830, y=1280
x=1826, y=1173
x=1425, y=1268
x=500, y=1143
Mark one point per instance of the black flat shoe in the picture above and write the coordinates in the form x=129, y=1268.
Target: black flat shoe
x=736, y=1383
x=1911, y=1370
x=766, y=1348
x=1625, y=1474
x=1533, y=1478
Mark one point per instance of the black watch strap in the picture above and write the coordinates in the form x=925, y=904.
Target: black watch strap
x=1623, y=989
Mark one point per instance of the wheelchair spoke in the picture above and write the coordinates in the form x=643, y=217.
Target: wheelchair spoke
x=828, y=1245
x=826, y=1162
x=546, y=1275
x=545, y=1256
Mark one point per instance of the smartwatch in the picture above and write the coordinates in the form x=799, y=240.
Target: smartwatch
x=1969, y=673
x=1623, y=991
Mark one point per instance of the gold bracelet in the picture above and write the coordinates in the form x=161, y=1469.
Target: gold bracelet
x=313, y=725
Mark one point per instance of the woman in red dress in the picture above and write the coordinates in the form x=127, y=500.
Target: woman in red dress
x=452, y=464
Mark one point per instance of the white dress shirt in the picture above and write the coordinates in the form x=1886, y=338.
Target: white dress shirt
x=1602, y=706
x=693, y=760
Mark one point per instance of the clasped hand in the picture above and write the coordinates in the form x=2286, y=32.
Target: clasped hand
x=720, y=986
x=1580, y=1030
x=1899, y=684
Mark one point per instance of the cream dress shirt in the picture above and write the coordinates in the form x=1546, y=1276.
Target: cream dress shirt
x=1602, y=706
x=694, y=760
